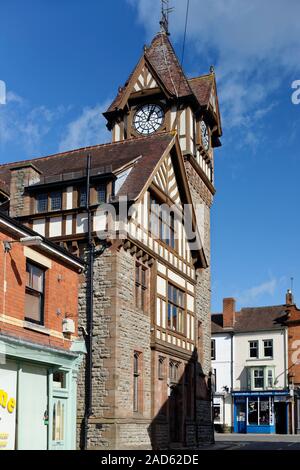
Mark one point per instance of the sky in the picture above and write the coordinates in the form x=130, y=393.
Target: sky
x=62, y=61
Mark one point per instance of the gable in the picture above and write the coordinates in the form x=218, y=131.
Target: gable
x=165, y=180
x=145, y=80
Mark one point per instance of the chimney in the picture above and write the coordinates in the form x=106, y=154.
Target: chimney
x=289, y=298
x=20, y=177
x=228, y=312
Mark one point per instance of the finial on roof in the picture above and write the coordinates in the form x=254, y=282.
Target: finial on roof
x=212, y=69
x=165, y=11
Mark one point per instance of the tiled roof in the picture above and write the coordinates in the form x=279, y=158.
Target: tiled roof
x=252, y=319
x=114, y=156
x=162, y=58
x=202, y=88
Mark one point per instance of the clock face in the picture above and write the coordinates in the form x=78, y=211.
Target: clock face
x=148, y=119
x=205, y=135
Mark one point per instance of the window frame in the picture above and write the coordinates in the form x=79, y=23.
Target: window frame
x=257, y=349
x=164, y=223
x=141, y=286
x=213, y=351
x=34, y=293
x=266, y=347
x=137, y=373
x=171, y=305
x=98, y=192
x=48, y=198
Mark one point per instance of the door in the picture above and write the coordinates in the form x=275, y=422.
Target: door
x=280, y=409
x=175, y=411
x=241, y=425
x=32, y=426
x=58, y=423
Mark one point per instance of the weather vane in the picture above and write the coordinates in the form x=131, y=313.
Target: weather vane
x=165, y=11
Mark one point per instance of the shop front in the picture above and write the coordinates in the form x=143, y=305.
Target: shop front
x=37, y=396
x=261, y=412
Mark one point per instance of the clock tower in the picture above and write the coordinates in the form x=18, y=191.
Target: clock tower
x=159, y=98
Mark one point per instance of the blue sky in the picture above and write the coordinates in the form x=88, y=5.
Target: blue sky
x=62, y=61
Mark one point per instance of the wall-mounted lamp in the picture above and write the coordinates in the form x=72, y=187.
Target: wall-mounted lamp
x=25, y=241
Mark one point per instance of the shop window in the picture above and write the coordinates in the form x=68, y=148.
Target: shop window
x=141, y=286
x=253, y=412
x=268, y=348
x=34, y=293
x=253, y=349
x=217, y=412
x=175, y=309
x=213, y=349
x=56, y=201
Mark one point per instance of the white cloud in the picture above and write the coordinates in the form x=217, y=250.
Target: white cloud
x=254, y=44
x=88, y=129
x=22, y=124
x=267, y=288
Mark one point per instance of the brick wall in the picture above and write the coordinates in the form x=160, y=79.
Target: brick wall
x=61, y=287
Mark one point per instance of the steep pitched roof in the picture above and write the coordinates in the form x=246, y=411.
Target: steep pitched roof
x=108, y=156
x=161, y=58
x=252, y=319
x=202, y=88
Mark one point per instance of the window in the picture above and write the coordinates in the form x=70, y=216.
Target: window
x=59, y=379
x=34, y=294
x=260, y=411
x=162, y=222
x=270, y=378
x=214, y=380
x=253, y=349
x=175, y=309
x=136, y=382
x=101, y=193
x=58, y=420
x=173, y=371
x=42, y=202
x=253, y=412
x=55, y=201
x=161, y=367
x=213, y=349
x=217, y=412
x=141, y=286
x=82, y=197
x=258, y=375
x=268, y=348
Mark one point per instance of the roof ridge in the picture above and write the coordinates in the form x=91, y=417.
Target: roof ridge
x=68, y=152
x=207, y=75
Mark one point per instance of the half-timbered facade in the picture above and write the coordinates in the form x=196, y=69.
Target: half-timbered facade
x=150, y=193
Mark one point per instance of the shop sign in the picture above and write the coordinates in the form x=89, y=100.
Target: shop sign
x=8, y=393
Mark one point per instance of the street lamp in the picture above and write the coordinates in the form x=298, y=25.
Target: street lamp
x=25, y=241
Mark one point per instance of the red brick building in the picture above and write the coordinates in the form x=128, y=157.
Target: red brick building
x=39, y=347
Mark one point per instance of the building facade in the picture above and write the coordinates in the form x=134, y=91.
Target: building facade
x=40, y=351
x=144, y=306
x=259, y=393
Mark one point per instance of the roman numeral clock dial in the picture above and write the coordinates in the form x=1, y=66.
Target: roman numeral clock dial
x=148, y=119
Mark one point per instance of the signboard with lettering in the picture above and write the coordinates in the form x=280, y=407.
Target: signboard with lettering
x=8, y=403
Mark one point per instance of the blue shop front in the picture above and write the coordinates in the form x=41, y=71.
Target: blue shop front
x=261, y=412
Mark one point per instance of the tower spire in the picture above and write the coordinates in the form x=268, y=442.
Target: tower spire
x=165, y=11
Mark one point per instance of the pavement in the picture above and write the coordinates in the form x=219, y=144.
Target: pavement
x=255, y=442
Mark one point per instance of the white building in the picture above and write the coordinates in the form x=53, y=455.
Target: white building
x=249, y=362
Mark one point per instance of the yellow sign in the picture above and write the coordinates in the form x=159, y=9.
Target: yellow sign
x=5, y=402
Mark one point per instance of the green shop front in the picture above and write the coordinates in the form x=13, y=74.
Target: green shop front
x=264, y=412
x=38, y=395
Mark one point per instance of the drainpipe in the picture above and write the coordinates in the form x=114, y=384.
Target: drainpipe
x=89, y=311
